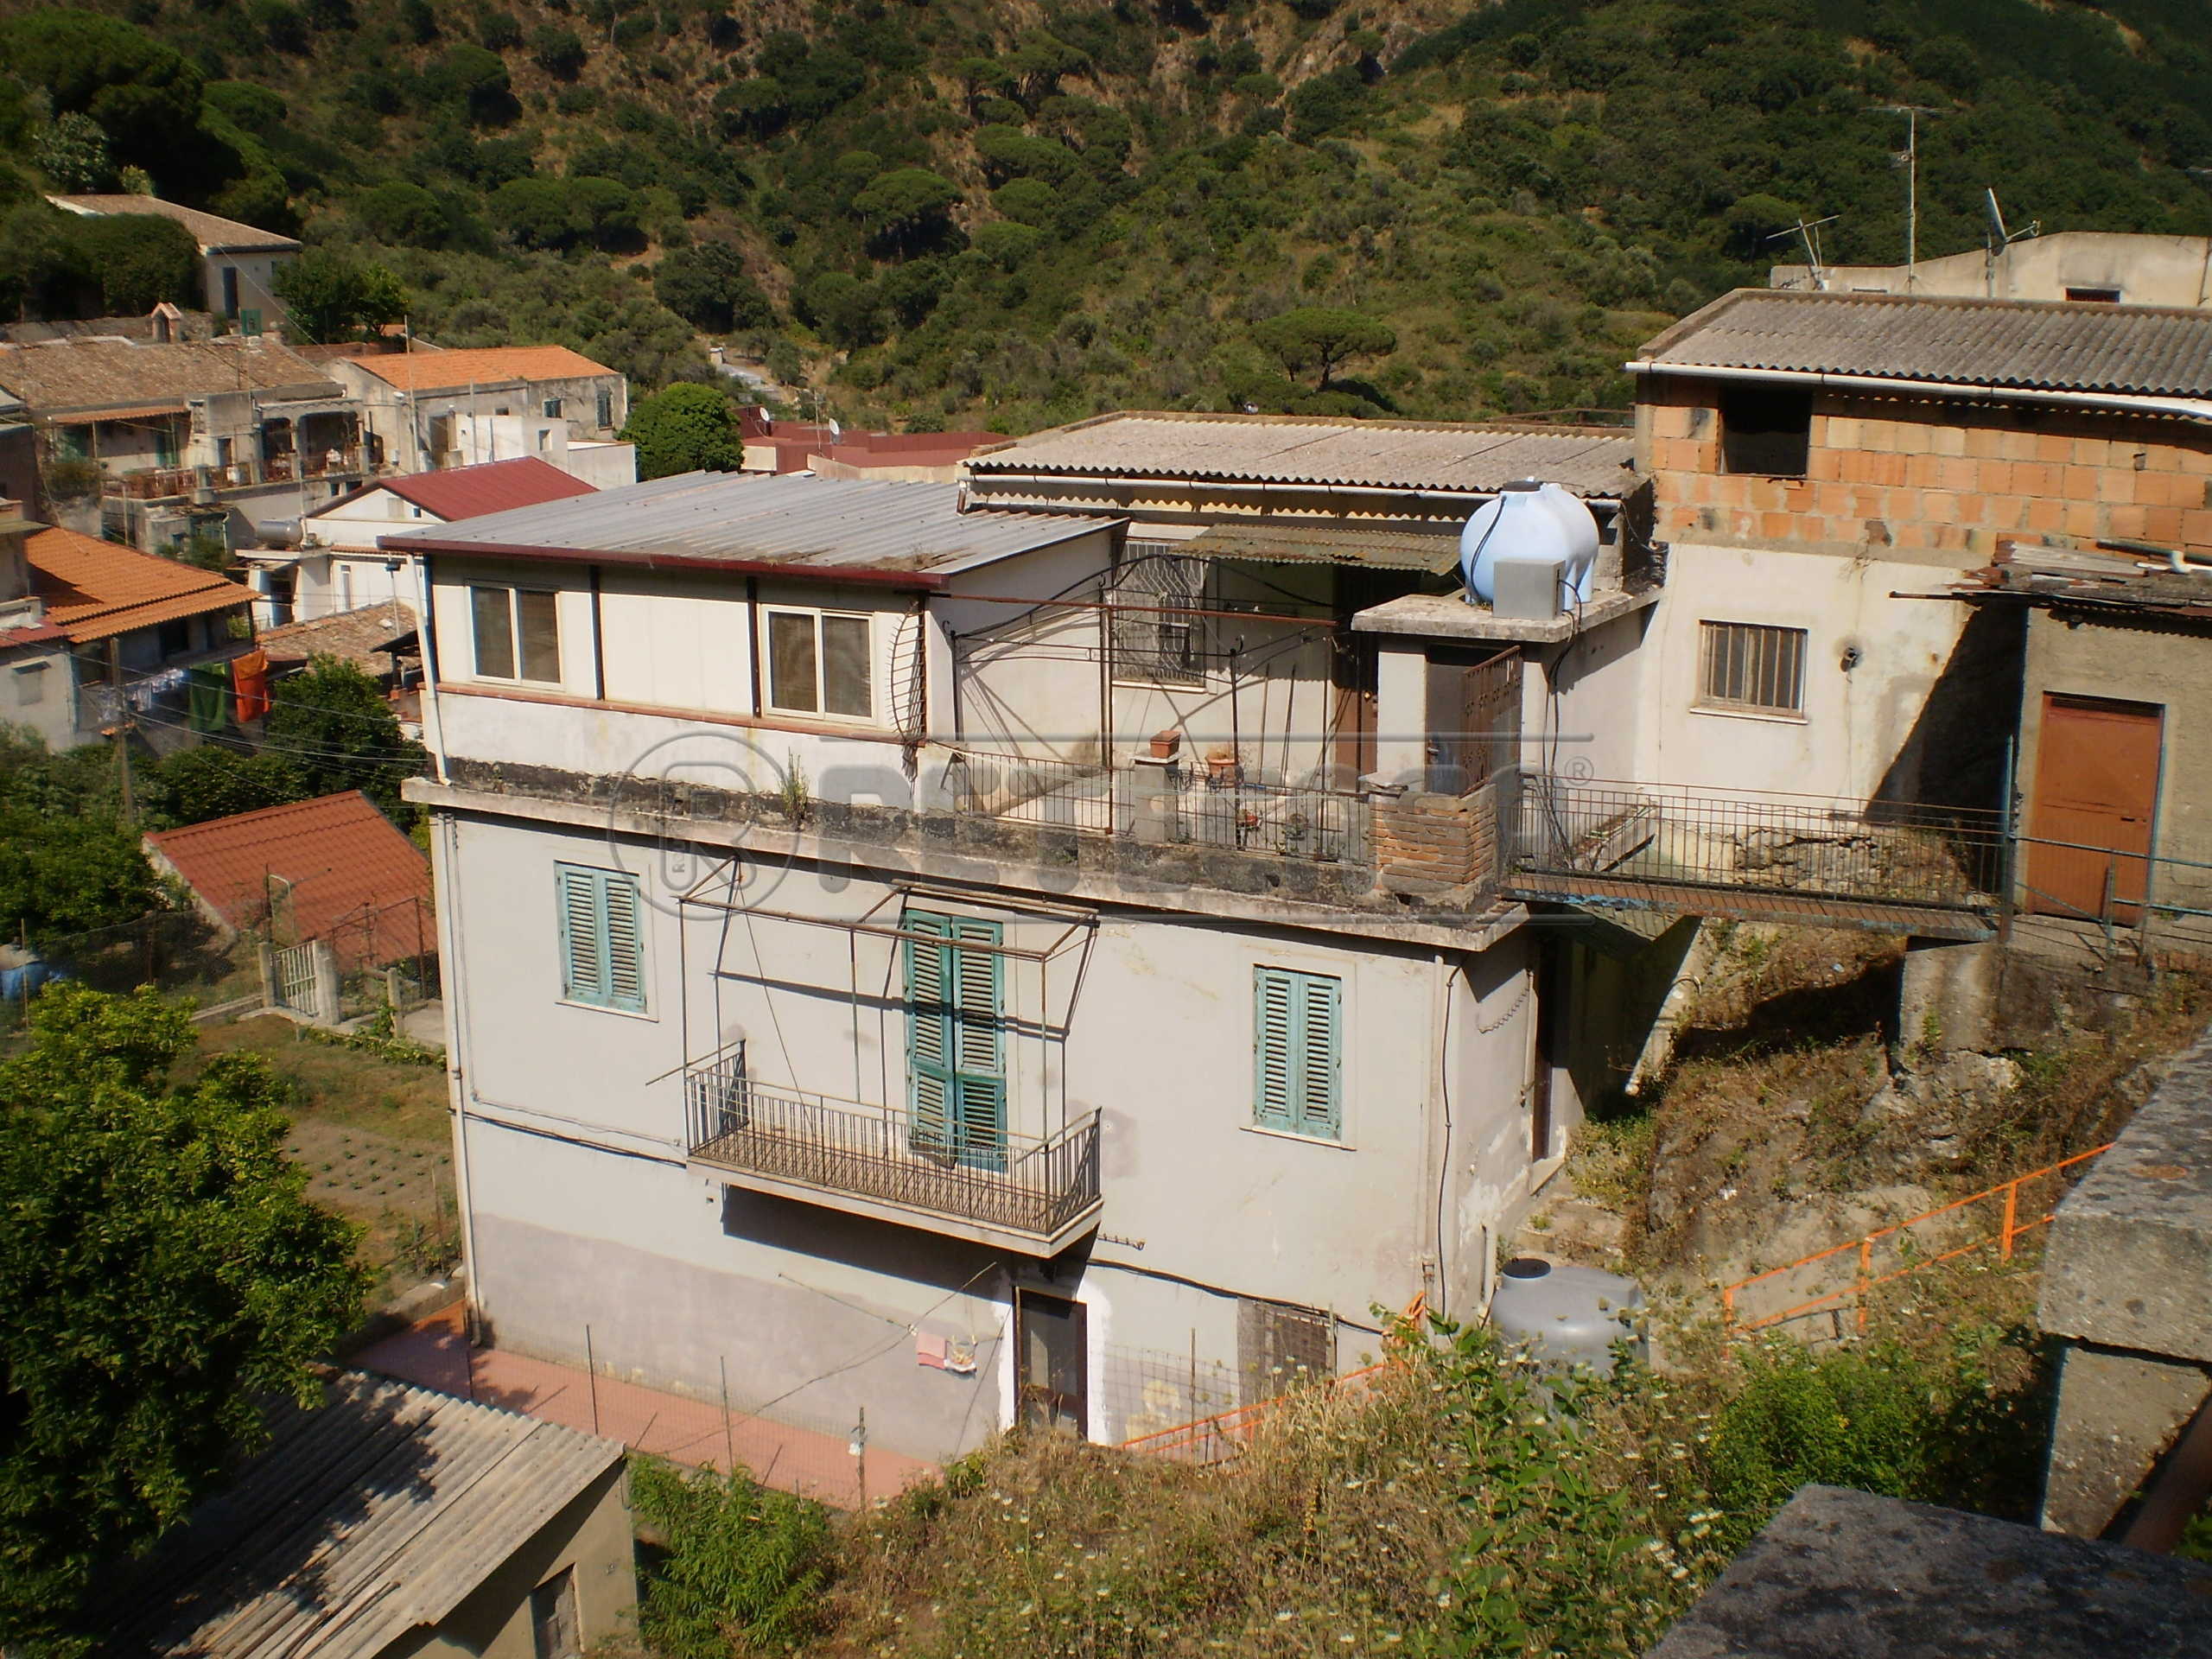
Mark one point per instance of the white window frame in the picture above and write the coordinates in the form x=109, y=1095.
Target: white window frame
x=821, y=710
x=1762, y=638
x=514, y=591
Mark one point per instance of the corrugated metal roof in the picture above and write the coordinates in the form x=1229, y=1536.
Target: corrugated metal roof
x=2057, y=345
x=1282, y=543
x=1291, y=449
x=94, y=589
x=493, y=486
x=350, y=874
x=372, y=1517
x=825, y=524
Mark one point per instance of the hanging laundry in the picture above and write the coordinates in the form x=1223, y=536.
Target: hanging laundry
x=251, y=673
x=208, y=694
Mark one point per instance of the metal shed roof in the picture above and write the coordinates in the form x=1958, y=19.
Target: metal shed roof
x=2056, y=346
x=374, y=1516
x=1291, y=449
x=844, y=528
x=1293, y=544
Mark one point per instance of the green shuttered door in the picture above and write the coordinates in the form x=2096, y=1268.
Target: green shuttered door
x=955, y=1040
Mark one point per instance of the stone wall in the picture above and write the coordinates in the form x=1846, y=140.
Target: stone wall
x=1429, y=845
x=1932, y=475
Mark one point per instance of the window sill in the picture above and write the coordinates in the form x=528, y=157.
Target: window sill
x=1772, y=716
x=1293, y=1135
x=645, y=1015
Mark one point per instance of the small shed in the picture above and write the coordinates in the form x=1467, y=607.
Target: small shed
x=391, y=1520
x=332, y=869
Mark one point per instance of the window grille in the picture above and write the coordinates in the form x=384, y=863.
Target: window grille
x=1152, y=642
x=1279, y=1347
x=1748, y=665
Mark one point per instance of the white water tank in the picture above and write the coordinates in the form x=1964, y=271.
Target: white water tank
x=1530, y=520
x=1567, y=1315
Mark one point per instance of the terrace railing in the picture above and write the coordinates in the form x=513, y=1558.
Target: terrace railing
x=1585, y=834
x=1037, y=1188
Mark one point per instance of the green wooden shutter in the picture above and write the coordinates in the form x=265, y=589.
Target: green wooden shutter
x=1296, y=1047
x=979, y=1103
x=1319, y=1056
x=583, y=956
x=1274, y=1017
x=929, y=1035
x=602, y=937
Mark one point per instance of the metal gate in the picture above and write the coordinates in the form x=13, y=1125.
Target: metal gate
x=295, y=986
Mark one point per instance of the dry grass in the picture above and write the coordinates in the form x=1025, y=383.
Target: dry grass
x=335, y=1084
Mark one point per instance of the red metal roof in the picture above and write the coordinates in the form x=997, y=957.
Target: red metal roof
x=353, y=878
x=491, y=487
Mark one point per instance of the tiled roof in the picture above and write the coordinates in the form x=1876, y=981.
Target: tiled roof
x=103, y=373
x=2058, y=345
x=365, y=1522
x=94, y=589
x=825, y=526
x=357, y=636
x=211, y=231
x=493, y=486
x=351, y=875
x=1291, y=449
x=486, y=365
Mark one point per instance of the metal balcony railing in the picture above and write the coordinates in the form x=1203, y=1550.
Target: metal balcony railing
x=1598, y=833
x=1016, y=1184
x=1184, y=803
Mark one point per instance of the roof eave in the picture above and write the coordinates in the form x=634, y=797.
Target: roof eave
x=2183, y=408
x=913, y=580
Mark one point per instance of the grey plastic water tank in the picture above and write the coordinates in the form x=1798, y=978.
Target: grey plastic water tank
x=1567, y=1315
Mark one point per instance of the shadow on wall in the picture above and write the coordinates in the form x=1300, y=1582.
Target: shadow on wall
x=1955, y=753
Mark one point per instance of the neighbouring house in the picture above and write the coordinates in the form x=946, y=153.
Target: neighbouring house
x=158, y=444
x=774, y=446
x=2105, y=267
x=1825, y=461
x=332, y=868
x=88, y=629
x=434, y=409
x=907, y=913
x=381, y=641
x=19, y=480
x=239, y=262
x=386, y=1523
x=332, y=564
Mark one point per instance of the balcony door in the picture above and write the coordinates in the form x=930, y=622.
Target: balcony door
x=1050, y=1345
x=955, y=1039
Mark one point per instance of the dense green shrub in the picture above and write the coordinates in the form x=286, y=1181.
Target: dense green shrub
x=738, y=1563
x=689, y=427
x=707, y=285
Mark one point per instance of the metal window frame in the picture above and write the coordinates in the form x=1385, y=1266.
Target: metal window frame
x=1767, y=640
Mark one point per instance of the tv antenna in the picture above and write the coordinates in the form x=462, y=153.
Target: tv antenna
x=1998, y=239
x=1912, y=112
x=1809, y=233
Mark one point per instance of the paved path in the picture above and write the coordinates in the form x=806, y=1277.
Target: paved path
x=436, y=1355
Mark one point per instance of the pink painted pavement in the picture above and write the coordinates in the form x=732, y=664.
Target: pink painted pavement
x=435, y=1354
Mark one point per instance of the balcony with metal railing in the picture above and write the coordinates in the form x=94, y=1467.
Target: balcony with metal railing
x=1942, y=872
x=1012, y=1192
x=1171, y=802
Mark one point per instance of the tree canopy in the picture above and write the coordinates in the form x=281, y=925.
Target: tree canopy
x=332, y=725
x=332, y=298
x=65, y=875
x=1323, y=338
x=161, y=1274
x=688, y=428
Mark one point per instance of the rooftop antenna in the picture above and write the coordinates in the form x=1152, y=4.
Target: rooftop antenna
x=1998, y=239
x=1809, y=235
x=1912, y=112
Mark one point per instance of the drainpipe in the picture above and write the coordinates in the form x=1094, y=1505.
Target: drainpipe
x=457, y=1058
x=1437, y=1159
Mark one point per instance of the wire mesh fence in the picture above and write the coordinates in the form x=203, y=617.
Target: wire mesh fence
x=177, y=952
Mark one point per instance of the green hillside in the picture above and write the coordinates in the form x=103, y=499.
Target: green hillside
x=1022, y=213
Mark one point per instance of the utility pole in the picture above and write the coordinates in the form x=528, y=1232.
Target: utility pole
x=1912, y=112
x=122, y=729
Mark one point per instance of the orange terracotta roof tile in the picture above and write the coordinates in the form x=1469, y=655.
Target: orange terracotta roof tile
x=353, y=879
x=93, y=590
x=478, y=366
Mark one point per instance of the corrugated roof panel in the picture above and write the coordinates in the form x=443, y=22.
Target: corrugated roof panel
x=2056, y=346
x=1289, y=449
x=376, y=1515
x=1292, y=544
x=827, y=524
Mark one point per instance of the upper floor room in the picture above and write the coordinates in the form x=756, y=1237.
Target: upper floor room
x=430, y=409
x=2093, y=267
x=1927, y=429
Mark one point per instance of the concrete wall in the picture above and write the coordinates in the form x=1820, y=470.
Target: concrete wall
x=2146, y=663
x=583, y=1210
x=1936, y=482
x=592, y=1539
x=255, y=281
x=38, y=690
x=2146, y=270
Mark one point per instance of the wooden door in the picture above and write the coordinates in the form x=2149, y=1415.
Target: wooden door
x=2096, y=788
x=1051, y=1348
x=1351, y=712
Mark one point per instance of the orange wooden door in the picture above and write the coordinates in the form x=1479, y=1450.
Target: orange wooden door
x=2096, y=787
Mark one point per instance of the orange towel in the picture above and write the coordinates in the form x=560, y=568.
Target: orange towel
x=249, y=674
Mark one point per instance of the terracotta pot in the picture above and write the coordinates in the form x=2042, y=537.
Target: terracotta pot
x=1163, y=744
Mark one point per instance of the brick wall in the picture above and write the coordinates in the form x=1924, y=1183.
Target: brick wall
x=1430, y=845
x=1938, y=475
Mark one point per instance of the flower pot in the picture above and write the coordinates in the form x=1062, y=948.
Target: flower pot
x=1163, y=744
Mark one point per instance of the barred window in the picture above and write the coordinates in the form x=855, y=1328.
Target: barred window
x=1751, y=666
x=1155, y=639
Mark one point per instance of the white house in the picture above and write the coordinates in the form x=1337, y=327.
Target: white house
x=238, y=264
x=430, y=408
